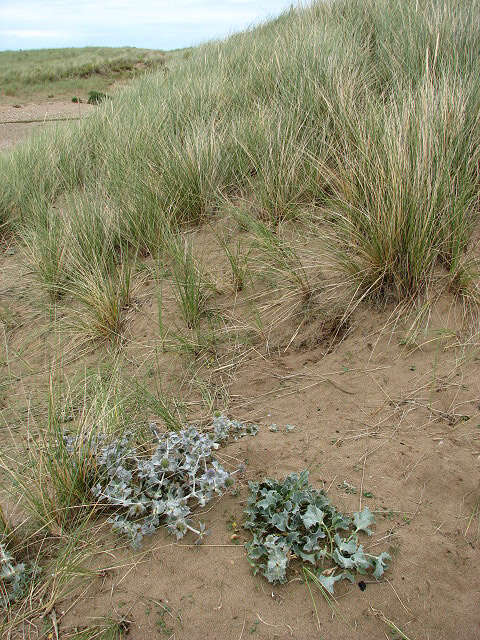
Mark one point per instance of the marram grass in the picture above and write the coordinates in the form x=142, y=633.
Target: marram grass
x=362, y=111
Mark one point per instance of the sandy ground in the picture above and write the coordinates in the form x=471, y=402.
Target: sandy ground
x=373, y=427
x=12, y=131
x=399, y=424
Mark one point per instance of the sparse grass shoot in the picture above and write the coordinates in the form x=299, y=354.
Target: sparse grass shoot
x=190, y=283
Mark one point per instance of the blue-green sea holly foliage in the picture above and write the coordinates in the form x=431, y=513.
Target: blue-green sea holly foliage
x=148, y=491
x=291, y=519
x=13, y=577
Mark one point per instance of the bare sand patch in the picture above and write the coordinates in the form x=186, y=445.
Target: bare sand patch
x=19, y=122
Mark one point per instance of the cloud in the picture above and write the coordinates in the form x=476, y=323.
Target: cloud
x=127, y=11
x=151, y=23
x=32, y=33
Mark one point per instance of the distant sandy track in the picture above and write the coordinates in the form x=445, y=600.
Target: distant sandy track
x=17, y=123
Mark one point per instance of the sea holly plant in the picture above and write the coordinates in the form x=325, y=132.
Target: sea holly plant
x=291, y=519
x=148, y=491
x=13, y=577
x=224, y=428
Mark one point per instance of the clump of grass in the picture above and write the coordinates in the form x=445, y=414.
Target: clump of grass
x=190, y=283
x=282, y=174
x=53, y=569
x=238, y=259
x=47, y=248
x=405, y=203
x=168, y=409
x=106, y=629
x=278, y=256
x=75, y=252
x=96, y=97
x=4, y=526
x=195, y=169
x=62, y=495
x=199, y=343
x=104, y=294
x=99, y=395
x=52, y=478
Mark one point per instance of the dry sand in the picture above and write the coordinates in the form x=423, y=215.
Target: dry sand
x=401, y=424
x=44, y=114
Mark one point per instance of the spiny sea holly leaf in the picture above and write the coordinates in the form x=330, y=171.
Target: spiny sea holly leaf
x=280, y=520
x=277, y=558
x=311, y=541
x=273, y=542
x=321, y=500
x=255, y=552
x=303, y=478
x=328, y=582
x=306, y=557
x=345, y=562
x=294, y=507
x=251, y=522
x=313, y=516
x=292, y=537
x=322, y=554
x=254, y=487
x=340, y=521
x=13, y=577
x=346, y=546
x=277, y=565
x=361, y=561
x=348, y=556
x=255, y=549
x=223, y=428
x=161, y=489
x=297, y=480
x=268, y=483
x=270, y=500
x=380, y=564
x=301, y=497
x=362, y=521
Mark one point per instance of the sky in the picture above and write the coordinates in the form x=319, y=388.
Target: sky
x=152, y=24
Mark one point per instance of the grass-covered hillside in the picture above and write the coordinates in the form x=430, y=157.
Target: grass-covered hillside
x=280, y=227
x=59, y=71
x=361, y=114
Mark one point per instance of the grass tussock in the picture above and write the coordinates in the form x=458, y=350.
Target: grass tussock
x=53, y=472
x=53, y=482
x=106, y=629
x=104, y=295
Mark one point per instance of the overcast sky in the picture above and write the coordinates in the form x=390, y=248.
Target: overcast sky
x=155, y=24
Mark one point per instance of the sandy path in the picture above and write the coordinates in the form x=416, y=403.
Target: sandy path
x=16, y=125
